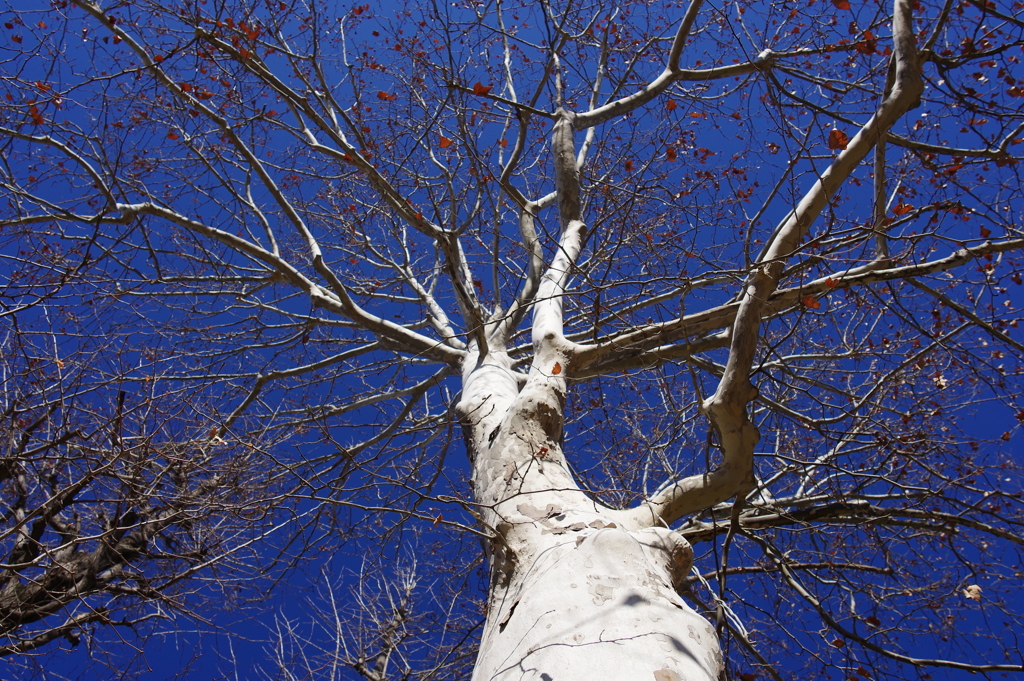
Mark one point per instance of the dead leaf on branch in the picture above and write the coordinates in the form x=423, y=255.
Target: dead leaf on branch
x=973, y=592
x=837, y=139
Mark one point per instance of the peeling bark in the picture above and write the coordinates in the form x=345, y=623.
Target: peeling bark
x=578, y=590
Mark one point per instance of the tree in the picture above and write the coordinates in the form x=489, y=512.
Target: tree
x=727, y=279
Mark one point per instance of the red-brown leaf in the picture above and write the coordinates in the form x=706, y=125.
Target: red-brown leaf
x=481, y=89
x=445, y=142
x=841, y=4
x=810, y=302
x=868, y=44
x=837, y=139
x=557, y=369
x=902, y=209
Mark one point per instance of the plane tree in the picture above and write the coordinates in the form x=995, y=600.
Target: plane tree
x=700, y=319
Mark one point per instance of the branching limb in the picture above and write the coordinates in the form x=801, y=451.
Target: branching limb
x=826, y=510
x=340, y=302
x=727, y=408
x=670, y=75
x=69, y=630
x=342, y=151
x=962, y=310
x=834, y=624
x=881, y=204
x=510, y=320
x=263, y=379
x=548, y=310
x=653, y=343
x=999, y=151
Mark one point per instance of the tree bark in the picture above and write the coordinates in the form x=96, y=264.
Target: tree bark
x=578, y=590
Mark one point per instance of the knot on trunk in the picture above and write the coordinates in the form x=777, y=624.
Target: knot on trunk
x=502, y=557
x=667, y=549
x=543, y=408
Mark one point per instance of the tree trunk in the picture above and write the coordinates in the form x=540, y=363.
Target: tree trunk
x=578, y=590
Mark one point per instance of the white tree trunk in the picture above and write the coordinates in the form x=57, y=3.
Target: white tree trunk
x=578, y=590
x=593, y=603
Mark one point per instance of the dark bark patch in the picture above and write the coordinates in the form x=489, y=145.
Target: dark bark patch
x=504, y=622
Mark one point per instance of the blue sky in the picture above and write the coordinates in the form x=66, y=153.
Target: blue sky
x=661, y=217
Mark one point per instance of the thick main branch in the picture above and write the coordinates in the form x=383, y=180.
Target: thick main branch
x=727, y=408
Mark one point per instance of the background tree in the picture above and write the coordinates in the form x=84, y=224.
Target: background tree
x=725, y=280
